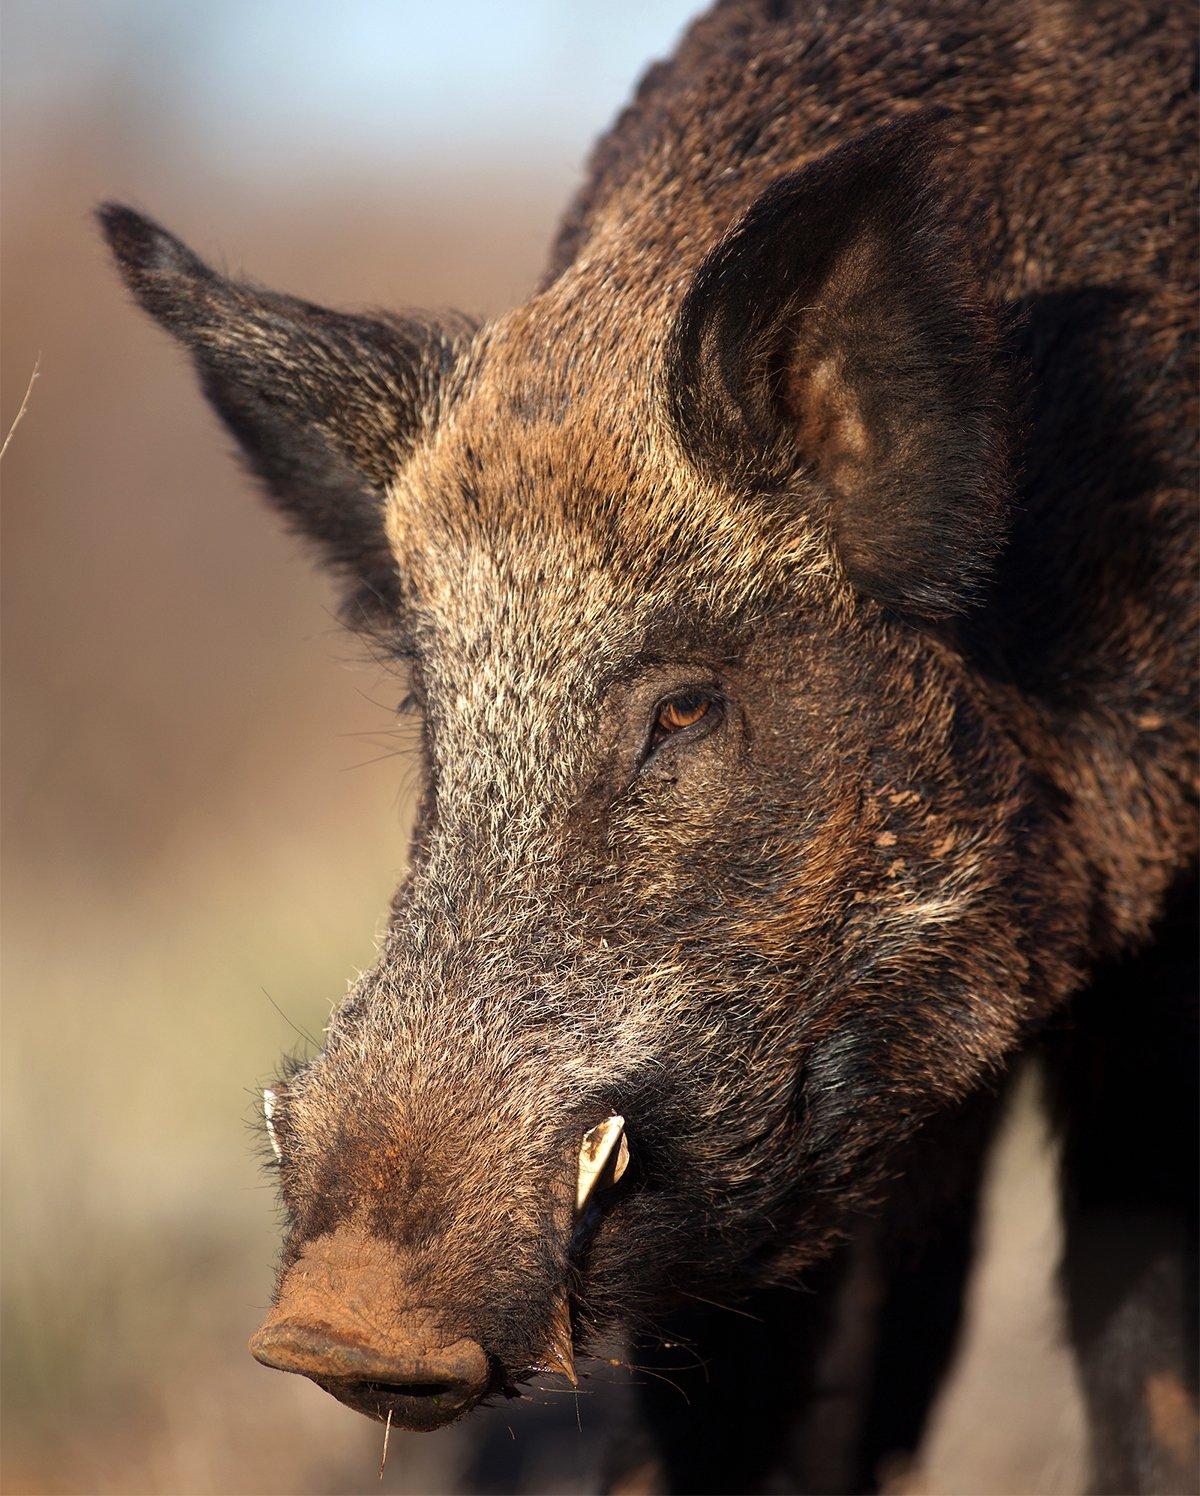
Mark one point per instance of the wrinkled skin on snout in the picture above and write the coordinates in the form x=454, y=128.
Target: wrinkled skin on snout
x=720, y=830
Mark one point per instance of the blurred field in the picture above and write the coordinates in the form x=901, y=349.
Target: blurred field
x=203, y=819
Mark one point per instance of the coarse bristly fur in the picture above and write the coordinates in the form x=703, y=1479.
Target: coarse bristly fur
x=856, y=410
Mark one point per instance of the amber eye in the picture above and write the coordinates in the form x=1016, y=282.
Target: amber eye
x=677, y=713
x=681, y=711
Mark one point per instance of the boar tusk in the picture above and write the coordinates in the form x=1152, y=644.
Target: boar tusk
x=560, y=1346
x=594, y=1153
x=602, y=1144
x=269, y=1100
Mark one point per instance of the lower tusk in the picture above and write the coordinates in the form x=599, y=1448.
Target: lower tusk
x=560, y=1346
x=594, y=1153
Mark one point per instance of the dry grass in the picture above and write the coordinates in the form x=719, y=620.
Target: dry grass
x=23, y=407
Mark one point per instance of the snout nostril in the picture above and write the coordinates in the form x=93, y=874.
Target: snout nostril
x=444, y=1388
x=424, y=1402
x=418, y=1392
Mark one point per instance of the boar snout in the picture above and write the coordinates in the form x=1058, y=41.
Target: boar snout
x=421, y=1383
x=340, y=1320
x=386, y=1326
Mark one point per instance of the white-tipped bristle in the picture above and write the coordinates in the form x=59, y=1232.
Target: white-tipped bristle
x=269, y=1100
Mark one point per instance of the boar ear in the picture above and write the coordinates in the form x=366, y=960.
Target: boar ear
x=834, y=336
x=325, y=405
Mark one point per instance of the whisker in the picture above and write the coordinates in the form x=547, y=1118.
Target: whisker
x=662, y=1377
x=728, y=1308
x=395, y=753
x=295, y=1027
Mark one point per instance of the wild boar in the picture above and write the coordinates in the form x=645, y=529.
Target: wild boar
x=798, y=592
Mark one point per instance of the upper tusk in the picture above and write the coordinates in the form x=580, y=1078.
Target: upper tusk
x=269, y=1100
x=594, y=1153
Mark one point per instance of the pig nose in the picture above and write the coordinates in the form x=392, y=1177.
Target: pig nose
x=419, y=1381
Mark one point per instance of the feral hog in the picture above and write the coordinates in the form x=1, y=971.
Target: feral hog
x=799, y=597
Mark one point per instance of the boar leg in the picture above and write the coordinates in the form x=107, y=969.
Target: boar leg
x=925, y=1251
x=722, y=1407
x=1124, y=1074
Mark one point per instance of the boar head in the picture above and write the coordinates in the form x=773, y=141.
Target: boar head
x=715, y=890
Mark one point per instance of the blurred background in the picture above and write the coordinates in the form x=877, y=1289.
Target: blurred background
x=204, y=798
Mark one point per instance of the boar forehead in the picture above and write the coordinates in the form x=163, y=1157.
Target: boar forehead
x=550, y=518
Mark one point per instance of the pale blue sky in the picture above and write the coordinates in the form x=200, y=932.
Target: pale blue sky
x=258, y=79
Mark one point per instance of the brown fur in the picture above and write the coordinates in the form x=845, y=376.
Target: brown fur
x=877, y=424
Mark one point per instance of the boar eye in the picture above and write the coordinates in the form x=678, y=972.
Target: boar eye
x=688, y=712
